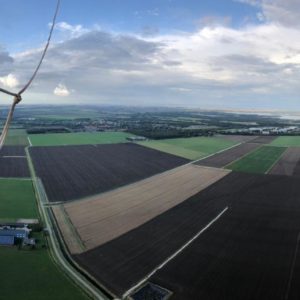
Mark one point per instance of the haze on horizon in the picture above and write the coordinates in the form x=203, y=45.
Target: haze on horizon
x=223, y=54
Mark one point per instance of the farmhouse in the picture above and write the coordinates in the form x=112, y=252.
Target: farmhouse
x=136, y=138
x=8, y=235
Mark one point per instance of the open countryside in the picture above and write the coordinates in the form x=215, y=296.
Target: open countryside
x=149, y=150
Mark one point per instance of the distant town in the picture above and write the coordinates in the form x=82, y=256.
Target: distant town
x=151, y=123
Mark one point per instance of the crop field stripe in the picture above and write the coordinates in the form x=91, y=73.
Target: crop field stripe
x=259, y=161
x=225, y=158
x=286, y=141
x=225, y=167
x=276, y=161
x=223, y=150
x=176, y=253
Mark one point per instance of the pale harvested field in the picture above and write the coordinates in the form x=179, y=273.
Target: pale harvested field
x=104, y=218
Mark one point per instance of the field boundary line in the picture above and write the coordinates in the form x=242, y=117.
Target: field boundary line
x=223, y=150
x=28, y=138
x=55, y=251
x=17, y=178
x=128, y=292
x=292, y=268
x=277, y=160
x=234, y=161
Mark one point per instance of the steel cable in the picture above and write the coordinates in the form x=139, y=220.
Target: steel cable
x=18, y=96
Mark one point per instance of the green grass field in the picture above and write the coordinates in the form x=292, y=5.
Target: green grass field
x=29, y=274
x=81, y=138
x=258, y=161
x=16, y=137
x=17, y=199
x=287, y=141
x=190, y=148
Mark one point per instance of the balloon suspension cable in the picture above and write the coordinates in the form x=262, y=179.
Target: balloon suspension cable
x=18, y=96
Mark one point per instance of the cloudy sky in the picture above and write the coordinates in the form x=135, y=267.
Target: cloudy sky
x=225, y=54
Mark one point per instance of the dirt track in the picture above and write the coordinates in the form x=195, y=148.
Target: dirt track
x=102, y=219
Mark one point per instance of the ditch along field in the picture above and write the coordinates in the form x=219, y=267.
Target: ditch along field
x=80, y=138
x=73, y=172
x=248, y=251
x=103, y=218
x=259, y=161
x=222, y=159
x=191, y=148
x=26, y=274
x=13, y=162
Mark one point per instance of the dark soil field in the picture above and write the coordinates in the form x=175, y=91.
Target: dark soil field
x=13, y=162
x=296, y=171
x=264, y=139
x=224, y=158
x=13, y=151
x=72, y=172
x=249, y=253
x=287, y=163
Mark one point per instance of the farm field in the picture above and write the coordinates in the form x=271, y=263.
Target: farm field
x=258, y=161
x=190, y=148
x=287, y=141
x=31, y=275
x=17, y=199
x=287, y=163
x=13, y=151
x=251, y=245
x=80, y=138
x=264, y=139
x=13, y=162
x=220, y=160
x=97, y=169
x=125, y=209
x=249, y=253
x=237, y=138
x=28, y=274
x=17, y=137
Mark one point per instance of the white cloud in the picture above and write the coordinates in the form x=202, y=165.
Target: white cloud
x=284, y=12
x=61, y=90
x=214, y=66
x=9, y=81
x=72, y=30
